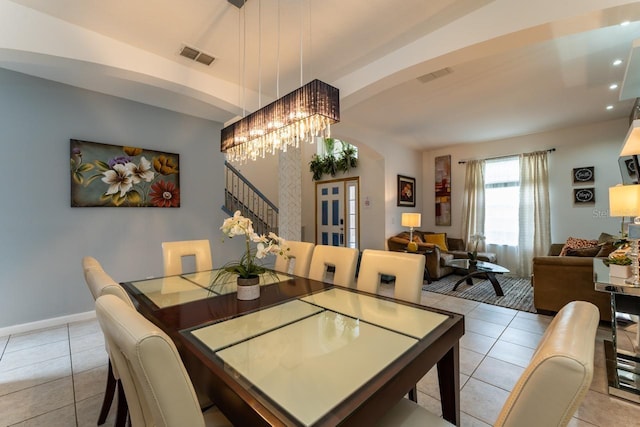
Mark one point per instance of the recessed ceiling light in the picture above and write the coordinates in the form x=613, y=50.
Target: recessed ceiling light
x=624, y=23
x=617, y=62
x=609, y=107
x=613, y=86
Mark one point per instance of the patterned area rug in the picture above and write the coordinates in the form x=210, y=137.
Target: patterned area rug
x=518, y=292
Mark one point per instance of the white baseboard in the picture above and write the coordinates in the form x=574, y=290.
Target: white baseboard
x=47, y=323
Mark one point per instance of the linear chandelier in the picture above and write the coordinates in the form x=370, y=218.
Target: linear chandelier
x=301, y=115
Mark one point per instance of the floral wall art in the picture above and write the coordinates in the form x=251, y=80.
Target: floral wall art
x=123, y=176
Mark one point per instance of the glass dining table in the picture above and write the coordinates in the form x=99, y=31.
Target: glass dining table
x=306, y=353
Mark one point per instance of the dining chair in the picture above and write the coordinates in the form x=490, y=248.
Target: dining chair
x=90, y=263
x=100, y=283
x=344, y=260
x=407, y=268
x=300, y=253
x=550, y=389
x=158, y=389
x=172, y=253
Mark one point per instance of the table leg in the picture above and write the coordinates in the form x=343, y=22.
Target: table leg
x=490, y=276
x=496, y=285
x=449, y=380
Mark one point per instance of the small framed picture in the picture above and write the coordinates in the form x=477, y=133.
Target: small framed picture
x=406, y=191
x=584, y=175
x=584, y=196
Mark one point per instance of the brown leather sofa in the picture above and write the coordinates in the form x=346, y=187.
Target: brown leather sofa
x=558, y=280
x=436, y=258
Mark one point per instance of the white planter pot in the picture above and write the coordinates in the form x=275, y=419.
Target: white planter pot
x=623, y=271
x=248, y=289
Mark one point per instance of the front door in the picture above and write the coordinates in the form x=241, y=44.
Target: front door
x=337, y=215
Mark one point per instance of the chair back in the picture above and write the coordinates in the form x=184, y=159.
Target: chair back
x=100, y=283
x=407, y=268
x=301, y=252
x=90, y=263
x=172, y=253
x=343, y=259
x=158, y=389
x=552, y=387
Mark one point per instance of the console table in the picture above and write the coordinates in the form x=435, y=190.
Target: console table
x=623, y=367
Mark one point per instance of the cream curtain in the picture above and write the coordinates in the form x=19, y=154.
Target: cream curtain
x=473, y=201
x=534, y=218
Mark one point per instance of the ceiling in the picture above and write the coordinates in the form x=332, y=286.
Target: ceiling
x=511, y=67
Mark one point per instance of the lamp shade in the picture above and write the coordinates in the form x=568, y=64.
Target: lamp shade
x=413, y=219
x=624, y=200
x=631, y=144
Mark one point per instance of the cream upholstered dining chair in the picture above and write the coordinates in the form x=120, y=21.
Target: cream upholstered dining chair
x=90, y=263
x=172, y=253
x=343, y=259
x=300, y=253
x=407, y=268
x=100, y=283
x=550, y=389
x=158, y=389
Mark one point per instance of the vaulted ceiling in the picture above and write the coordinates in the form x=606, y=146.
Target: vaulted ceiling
x=422, y=73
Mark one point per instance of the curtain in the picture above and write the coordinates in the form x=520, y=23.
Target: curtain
x=534, y=236
x=473, y=202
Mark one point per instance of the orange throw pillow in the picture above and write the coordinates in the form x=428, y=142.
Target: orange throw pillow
x=438, y=239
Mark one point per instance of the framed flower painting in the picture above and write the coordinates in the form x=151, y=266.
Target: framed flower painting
x=123, y=176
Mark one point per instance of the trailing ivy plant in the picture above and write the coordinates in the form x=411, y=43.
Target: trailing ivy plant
x=330, y=164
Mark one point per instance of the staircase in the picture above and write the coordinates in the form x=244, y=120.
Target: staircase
x=241, y=195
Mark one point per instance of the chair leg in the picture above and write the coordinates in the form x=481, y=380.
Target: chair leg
x=121, y=416
x=413, y=394
x=109, y=394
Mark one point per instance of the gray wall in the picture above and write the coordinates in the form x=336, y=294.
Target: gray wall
x=44, y=239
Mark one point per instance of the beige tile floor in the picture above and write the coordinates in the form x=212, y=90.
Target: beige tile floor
x=56, y=377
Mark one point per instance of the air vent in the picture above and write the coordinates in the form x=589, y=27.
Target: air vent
x=435, y=75
x=196, y=55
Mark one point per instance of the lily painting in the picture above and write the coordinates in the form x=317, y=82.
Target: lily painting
x=126, y=176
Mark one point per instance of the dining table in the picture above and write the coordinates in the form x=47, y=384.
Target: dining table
x=306, y=352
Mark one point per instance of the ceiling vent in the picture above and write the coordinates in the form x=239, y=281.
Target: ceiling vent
x=196, y=55
x=435, y=75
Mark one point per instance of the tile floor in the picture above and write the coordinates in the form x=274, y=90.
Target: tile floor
x=56, y=377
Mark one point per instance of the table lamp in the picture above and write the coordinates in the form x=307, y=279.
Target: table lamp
x=624, y=200
x=411, y=220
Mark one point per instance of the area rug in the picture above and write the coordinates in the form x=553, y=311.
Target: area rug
x=518, y=292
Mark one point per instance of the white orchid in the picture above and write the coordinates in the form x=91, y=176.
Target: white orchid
x=265, y=245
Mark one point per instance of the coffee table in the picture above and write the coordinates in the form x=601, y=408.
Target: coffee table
x=482, y=269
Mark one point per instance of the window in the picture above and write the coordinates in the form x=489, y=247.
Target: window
x=335, y=147
x=502, y=195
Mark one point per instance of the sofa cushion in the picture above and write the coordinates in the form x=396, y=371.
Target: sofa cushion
x=605, y=249
x=455, y=244
x=576, y=243
x=445, y=258
x=439, y=239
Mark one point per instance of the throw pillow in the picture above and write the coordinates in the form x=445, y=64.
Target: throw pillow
x=606, y=237
x=576, y=243
x=591, y=251
x=605, y=249
x=438, y=239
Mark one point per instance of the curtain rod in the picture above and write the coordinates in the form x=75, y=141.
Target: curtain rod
x=462, y=162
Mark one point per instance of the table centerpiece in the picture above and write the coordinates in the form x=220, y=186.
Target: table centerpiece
x=248, y=269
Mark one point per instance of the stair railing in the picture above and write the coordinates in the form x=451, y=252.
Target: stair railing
x=242, y=195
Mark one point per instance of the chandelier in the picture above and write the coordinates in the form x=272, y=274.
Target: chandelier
x=301, y=115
